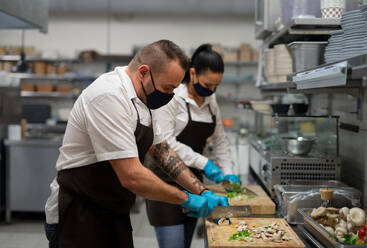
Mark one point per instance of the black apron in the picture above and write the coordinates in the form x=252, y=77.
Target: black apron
x=194, y=135
x=94, y=206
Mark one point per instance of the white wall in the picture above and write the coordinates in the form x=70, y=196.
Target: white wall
x=70, y=34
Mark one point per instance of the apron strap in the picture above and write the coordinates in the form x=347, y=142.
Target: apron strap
x=188, y=110
x=137, y=112
x=210, y=111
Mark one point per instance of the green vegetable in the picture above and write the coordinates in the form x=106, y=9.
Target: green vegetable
x=235, y=187
x=351, y=239
x=232, y=194
x=240, y=235
x=267, y=227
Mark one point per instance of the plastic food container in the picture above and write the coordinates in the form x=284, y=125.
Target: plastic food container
x=332, y=8
x=293, y=197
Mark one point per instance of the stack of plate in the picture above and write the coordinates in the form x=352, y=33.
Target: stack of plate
x=352, y=39
x=283, y=62
x=269, y=65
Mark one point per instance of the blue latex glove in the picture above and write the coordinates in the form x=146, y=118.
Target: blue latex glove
x=212, y=172
x=215, y=200
x=232, y=178
x=198, y=206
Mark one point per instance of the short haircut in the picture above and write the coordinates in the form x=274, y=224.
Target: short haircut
x=158, y=54
x=204, y=59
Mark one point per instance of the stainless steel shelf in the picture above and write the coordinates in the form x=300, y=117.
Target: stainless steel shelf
x=66, y=77
x=240, y=63
x=238, y=79
x=277, y=86
x=304, y=29
x=14, y=58
x=37, y=94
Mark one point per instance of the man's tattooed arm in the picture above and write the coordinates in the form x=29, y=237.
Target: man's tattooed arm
x=174, y=167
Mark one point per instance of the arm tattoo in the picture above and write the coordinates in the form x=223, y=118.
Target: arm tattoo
x=169, y=162
x=167, y=159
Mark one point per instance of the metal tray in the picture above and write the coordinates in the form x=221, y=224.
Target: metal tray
x=320, y=233
x=309, y=236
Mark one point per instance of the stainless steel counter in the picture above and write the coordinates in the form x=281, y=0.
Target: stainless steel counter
x=34, y=142
x=30, y=168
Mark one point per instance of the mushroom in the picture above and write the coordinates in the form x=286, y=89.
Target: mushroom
x=318, y=212
x=223, y=222
x=357, y=216
x=340, y=231
x=241, y=228
x=331, y=221
x=329, y=229
x=277, y=236
x=332, y=210
x=343, y=212
x=342, y=223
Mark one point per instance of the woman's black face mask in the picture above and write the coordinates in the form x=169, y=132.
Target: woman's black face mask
x=202, y=91
x=157, y=98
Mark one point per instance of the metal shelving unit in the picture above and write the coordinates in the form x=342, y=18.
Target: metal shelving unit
x=37, y=94
x=304, y=29
x=15, y=58
x=66, y=77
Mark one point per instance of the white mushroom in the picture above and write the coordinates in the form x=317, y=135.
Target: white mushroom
x=277, y=236
x=223, y=222
x=350, y=226
x=357, y=216
x=340, y=231
x=343, y=212
x=329, y=229
x=318, y=212
x=342, y=223
x=332, y=210
x=332, y=216
x=241, y=228
x=264, y=237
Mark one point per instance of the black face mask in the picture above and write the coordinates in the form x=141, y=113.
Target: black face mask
x=202, y=91
x=157, y=98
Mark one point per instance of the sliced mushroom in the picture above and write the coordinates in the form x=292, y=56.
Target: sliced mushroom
x=241, y=228
x=357, y=216
x=318, y=212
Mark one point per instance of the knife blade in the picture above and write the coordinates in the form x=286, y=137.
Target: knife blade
x=230, y=212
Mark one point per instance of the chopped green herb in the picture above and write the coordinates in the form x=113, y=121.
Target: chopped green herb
x=267, y=227
x=240, y=235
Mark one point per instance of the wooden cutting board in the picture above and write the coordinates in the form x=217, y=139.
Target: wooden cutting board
x=218, y=235
x=261, y=204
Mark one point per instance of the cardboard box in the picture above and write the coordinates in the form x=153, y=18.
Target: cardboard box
x=218, y=48
x=245, y=53
x=230, y=56
x=255, y=56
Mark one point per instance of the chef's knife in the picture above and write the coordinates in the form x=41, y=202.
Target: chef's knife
x=230, y=212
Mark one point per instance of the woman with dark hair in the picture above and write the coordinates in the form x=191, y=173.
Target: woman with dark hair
x=188, y=121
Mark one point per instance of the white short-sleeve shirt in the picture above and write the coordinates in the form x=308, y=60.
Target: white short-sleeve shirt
x=101, y=127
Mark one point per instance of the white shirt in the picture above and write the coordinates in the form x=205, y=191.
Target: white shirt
x=101, y=127
x=173, y=118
